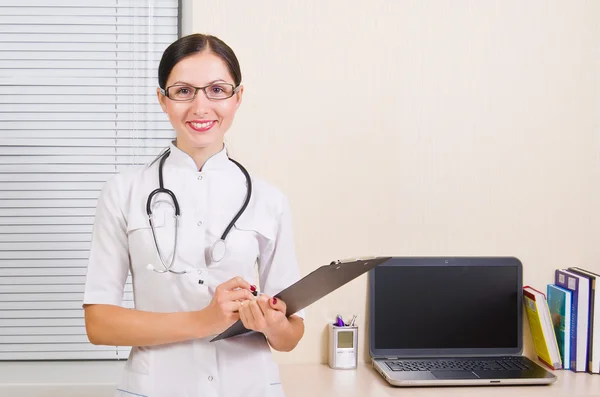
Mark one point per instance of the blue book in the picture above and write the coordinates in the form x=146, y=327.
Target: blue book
x=561, y=278
x=579, y=316
x=559, y=303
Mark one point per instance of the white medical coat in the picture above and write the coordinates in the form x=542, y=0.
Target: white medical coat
x=208, y=200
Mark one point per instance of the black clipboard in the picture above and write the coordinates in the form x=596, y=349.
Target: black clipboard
x=313, y=287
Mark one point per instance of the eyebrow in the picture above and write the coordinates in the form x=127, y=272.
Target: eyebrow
x=209, y=83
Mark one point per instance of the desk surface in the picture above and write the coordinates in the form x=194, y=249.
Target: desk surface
x=320, y=380
x=97, y=379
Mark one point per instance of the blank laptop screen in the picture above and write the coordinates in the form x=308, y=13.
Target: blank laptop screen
x=446, y=307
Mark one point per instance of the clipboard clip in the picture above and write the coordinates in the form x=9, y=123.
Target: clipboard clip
x=362, y=258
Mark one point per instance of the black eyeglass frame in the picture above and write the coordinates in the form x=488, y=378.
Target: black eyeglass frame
x=165, y=92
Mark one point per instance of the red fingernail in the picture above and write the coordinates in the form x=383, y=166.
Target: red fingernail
x=274, y=301
x=252, y=288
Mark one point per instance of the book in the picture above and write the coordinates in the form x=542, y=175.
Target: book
x=559, y=303
x=541, y=326
x=594, y=322
x=579, y=316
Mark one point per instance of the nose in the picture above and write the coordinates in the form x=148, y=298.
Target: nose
x=201, y=104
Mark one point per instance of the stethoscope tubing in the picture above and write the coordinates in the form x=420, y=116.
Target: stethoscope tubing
x=221, y=242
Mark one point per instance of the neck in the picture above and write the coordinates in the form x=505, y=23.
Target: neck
x=200, y=155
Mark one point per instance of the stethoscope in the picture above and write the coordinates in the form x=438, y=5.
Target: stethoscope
x=219, y=248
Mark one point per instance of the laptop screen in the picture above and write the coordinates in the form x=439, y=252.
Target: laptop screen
x=438, y=306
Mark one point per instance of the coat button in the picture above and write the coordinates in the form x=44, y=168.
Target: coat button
x=210, y=378
x=199, y=177
x=199, y=223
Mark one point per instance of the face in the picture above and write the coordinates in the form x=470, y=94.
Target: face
x=202, y=123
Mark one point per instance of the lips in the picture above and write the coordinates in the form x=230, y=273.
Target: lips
x=201, y=125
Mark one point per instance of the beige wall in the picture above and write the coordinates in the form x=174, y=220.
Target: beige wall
x=478, y=123
x=420, y=128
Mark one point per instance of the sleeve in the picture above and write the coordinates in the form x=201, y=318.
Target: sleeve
x=278, y=266
x=108, y=263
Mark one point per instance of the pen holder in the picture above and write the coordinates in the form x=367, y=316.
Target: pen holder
x=343, y=347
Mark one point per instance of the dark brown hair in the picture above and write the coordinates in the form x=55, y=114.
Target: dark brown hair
x=194, y=44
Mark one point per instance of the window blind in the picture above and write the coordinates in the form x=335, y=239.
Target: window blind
x=77, y=105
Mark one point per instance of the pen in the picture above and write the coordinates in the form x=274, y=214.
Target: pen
x=353, y=321
x=203, y=282
x=205, y=279
x=339, y=322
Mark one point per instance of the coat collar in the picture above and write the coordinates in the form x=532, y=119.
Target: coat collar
x=218, y=161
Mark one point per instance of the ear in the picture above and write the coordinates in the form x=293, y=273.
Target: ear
x=239, y=95
x=162, y=100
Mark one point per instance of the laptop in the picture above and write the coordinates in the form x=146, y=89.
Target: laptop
x=449, y=322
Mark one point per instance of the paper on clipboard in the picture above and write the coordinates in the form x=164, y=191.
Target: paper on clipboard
x=313, y=287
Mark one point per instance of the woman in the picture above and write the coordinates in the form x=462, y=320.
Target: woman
x=201, y=282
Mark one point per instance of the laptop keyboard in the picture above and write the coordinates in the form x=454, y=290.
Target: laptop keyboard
x=458, y=365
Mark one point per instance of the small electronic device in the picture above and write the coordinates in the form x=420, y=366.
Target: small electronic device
x=343, y=347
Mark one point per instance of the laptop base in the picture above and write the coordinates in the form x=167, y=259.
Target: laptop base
x=445, y=375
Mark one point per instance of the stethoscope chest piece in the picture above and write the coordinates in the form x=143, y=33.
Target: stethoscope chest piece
x=217, y=253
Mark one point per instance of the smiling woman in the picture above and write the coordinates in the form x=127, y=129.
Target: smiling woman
x=200, y=63
x=203, y=199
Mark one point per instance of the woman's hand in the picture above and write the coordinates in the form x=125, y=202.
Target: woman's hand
x=226, y=302
x=263, y=314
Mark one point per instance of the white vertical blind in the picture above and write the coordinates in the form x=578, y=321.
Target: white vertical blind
x=77, y=105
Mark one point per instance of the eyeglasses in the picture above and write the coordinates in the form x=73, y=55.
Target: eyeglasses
x=187, y=93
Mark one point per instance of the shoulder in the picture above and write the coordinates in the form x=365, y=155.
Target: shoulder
x=124, y=180
x=118, y=188
x=269, y=196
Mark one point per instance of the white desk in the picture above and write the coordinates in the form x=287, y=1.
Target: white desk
x=320, y=380
x=98, y=379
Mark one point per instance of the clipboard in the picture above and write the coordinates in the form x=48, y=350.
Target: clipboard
x=313, y=287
